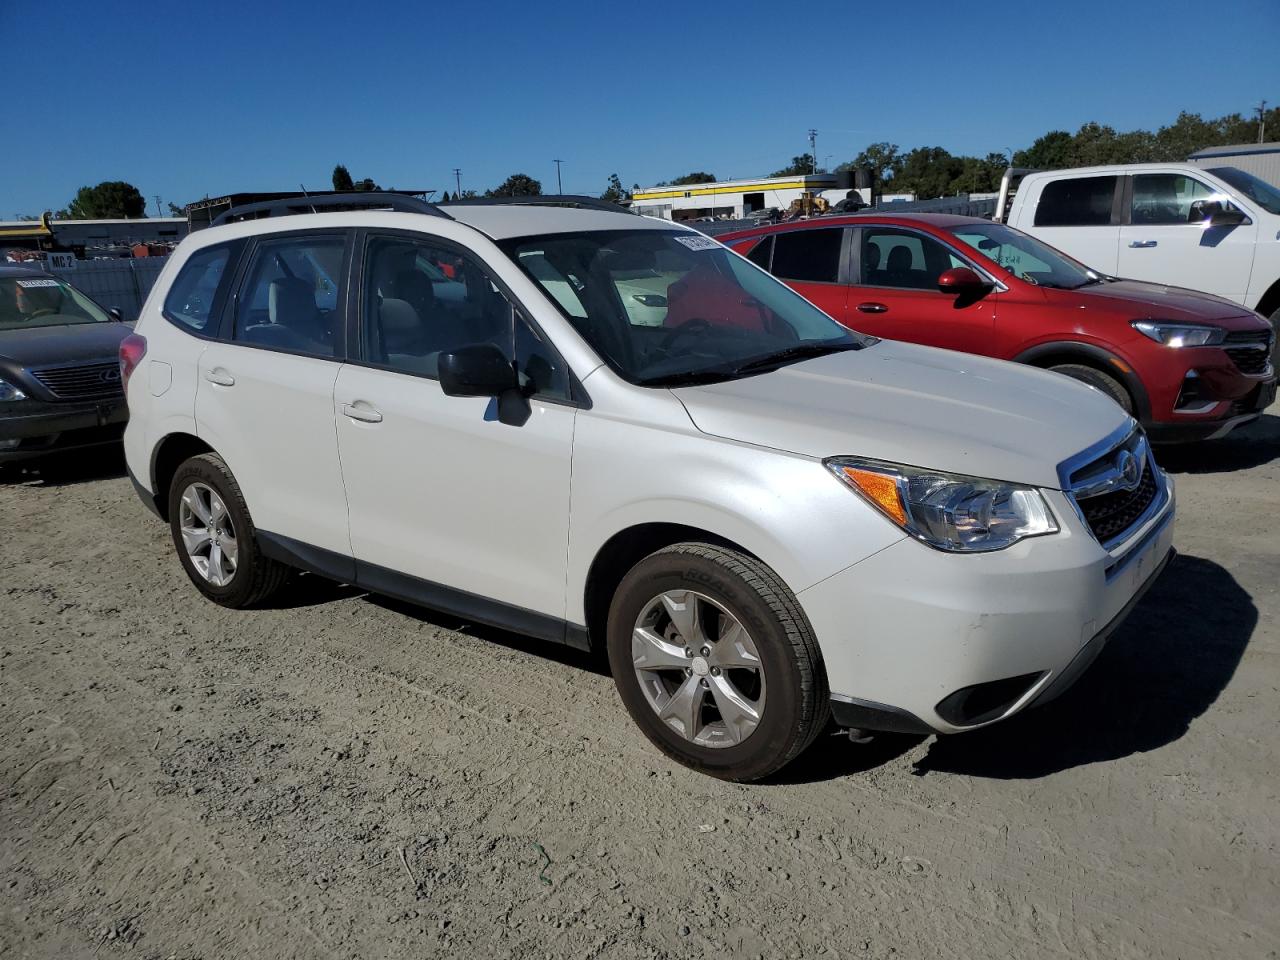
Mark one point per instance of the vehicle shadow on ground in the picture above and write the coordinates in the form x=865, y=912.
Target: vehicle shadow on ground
x=1253, y=445
x=1160, y=671
x=66, y=468
x=592, y=662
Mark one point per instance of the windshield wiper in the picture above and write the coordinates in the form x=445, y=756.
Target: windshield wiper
x=804, y=351
x=688, y=378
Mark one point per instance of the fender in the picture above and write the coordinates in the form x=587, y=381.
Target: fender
x=1105, y=360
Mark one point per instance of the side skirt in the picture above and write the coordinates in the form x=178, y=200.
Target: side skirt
x=425, y=593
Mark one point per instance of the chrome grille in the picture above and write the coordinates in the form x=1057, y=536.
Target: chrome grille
x=1117, y=491
x=86, y=381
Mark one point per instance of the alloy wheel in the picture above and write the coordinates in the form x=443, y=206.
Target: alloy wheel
x=208, y=534
x=699, y=668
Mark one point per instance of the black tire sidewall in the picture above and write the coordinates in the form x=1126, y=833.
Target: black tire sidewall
x=773, y=737
x=1104, y=382
x=214, y=473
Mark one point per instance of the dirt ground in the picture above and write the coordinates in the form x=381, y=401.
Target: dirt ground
x=343, y=776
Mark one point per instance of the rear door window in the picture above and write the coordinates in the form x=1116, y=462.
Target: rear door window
x=291, y=299
x=1076, y=202
x=807, y=256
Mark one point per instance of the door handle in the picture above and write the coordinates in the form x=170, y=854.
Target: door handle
x=362, y=411
x=873, y=308
x=220, y=377
x=1142, y=244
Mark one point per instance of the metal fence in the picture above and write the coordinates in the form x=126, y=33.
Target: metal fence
x=122, y=283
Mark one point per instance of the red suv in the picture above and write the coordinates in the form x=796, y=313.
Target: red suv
x=1189, y=365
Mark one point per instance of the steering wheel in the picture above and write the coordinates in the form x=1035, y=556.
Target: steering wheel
x=43, y=312
x=690, y=326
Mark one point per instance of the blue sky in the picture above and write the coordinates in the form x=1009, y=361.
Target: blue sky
x=188, y=99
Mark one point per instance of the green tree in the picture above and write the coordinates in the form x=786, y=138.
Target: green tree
x=109, y=200
x=342, y=181
x=927, y=172
x=883, y=159
x=516, y=185
x=697, y=176
x=467, y=195
x=802, y=164
x=176, y=211
x=366, y=186
x=1051, y=151
x=444, y=198
x=615, y=192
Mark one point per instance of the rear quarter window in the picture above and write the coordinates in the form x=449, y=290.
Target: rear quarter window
x=198, y=292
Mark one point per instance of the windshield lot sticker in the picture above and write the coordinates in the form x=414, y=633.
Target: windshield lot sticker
x=698, y=243
x=37, y=283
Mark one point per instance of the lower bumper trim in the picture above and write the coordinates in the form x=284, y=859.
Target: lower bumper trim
x=869, y=715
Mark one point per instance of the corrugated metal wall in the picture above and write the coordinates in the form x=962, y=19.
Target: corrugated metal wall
x=122, y=283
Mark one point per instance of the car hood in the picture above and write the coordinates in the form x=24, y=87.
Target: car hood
x=1154, y=301
x=45, y=346
x=916, y=406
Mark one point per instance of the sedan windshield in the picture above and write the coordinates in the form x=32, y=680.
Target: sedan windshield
x=664, y=308
x=1025, y=257
x=44, y=302
x=1259, y=191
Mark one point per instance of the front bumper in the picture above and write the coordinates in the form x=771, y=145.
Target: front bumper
x=33, y=429
x=918, y=641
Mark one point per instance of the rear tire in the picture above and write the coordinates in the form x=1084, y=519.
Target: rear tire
x=735, y=685
x=215, y=537
x=1108, y=384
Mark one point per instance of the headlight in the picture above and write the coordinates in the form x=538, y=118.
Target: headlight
x=9, y=393
x=1179, y=334
x=948, y=511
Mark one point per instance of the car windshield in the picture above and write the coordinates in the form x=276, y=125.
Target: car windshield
x=1259, y=191
x=44, y=302
x=1025, y=257
x=665, y=308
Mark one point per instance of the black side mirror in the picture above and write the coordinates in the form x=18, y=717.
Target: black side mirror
x=116, y=314
x=478, y=370
x=1227, y=217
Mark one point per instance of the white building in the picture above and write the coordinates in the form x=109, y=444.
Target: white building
x=733, y=199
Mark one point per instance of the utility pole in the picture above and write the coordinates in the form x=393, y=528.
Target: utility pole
x=1262, y=121
x=813, y=148
x=457, y=178
x=559, y=185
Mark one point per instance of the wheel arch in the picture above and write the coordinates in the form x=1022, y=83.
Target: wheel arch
x=1270, y=301
x=1046, y=355
x=168, y=455
x=624, y=550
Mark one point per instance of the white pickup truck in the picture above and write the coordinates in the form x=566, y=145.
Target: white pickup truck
x=1215, y=230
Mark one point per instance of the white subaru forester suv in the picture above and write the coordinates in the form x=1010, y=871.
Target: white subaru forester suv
x=768, y=520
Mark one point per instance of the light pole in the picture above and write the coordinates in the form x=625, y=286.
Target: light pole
x=813, y=149
x=457, y=179
x=559, y=185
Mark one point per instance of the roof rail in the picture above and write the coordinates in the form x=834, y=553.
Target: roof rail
x=543, y=200
x=399, y=202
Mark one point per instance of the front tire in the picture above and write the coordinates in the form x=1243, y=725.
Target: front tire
x=715, y=661
x=1108, y=384
x=215, y=537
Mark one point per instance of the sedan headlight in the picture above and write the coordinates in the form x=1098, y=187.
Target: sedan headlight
x=10, y=393
x=948, y=511
x=1180, y=334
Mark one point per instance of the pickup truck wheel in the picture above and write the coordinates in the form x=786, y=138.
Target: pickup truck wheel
x=1108, y=384
x=215, y=537
x=716, y=662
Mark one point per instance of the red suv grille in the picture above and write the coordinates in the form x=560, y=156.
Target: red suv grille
x=1252, y=359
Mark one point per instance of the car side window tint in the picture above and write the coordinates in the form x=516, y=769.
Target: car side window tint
x=422, y=300
x=1076, y=202
x=290, y=299
x=190, y=302
x=808, y=256
x=900, y=258
x=1170, y=198
x=761, y=253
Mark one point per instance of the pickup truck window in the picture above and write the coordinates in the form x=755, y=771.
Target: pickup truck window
x=1259, y=191
x=1169, y=198
x=1076, y=202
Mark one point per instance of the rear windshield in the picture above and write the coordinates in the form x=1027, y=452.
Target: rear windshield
x=44, y=302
